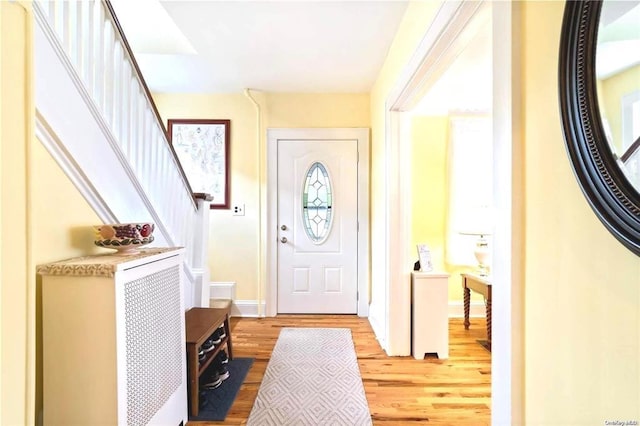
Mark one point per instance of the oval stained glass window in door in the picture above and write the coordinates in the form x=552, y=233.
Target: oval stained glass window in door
x=317, y=203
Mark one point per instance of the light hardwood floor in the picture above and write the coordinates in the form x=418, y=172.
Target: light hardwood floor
x=400, y=390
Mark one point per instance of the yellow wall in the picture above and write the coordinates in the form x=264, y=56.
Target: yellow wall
x=582, y=287
x=611, y=92
x=44, y=218
x=416, y=19
x=242, y=233
x=234, y=240
x=429, y=199
x=317, y=110
x=63, y=221
x=14, y=47
x=429, y=184
x=61, y=227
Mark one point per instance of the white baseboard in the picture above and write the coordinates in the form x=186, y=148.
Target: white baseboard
x=246, y=309
x=239, y=308
x=222, y=290
x=249, y=308
x=476, y=310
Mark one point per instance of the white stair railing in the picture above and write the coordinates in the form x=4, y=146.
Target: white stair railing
x=90, y=44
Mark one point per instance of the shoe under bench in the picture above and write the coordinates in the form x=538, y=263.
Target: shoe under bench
x=200, y=323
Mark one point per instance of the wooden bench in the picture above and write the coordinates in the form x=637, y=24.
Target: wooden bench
x=200, y=323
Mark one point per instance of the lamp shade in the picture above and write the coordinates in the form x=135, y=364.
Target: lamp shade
x=476, y=221
x=479, y=222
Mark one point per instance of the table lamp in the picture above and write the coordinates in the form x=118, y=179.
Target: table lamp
x=479, y=223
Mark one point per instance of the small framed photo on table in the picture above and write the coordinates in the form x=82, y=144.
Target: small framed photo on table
x=202, y=147
x=424, y=255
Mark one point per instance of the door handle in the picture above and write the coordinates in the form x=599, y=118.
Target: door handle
x=283, y=240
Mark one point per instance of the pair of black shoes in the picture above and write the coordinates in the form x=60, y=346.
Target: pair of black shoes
x=211, y=342
x=214, y=340
x=218, y=371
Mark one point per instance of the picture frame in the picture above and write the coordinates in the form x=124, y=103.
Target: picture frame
x=203, y=149
x=424, y=256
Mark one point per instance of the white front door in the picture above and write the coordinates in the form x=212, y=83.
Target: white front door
x=317, y=216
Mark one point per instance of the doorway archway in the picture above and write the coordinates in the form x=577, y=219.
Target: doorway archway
x=391, y=296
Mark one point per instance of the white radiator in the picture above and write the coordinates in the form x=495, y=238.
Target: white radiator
x=113, y=340
x=155, y=349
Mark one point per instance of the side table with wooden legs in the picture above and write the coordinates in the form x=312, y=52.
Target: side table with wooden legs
x=480, y=285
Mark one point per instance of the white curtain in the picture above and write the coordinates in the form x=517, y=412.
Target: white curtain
x=631, y=132
x=470, y=189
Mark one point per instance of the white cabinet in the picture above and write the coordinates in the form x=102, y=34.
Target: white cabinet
x=429, y=314
x=114, y=339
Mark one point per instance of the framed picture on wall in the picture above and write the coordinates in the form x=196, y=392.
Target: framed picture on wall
x=202, y=147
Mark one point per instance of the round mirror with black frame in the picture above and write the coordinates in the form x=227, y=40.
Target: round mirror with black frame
x=600, y=171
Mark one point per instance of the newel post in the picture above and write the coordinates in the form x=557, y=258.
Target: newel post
x=201, y=250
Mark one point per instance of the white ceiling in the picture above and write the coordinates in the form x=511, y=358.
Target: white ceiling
x=274, y=46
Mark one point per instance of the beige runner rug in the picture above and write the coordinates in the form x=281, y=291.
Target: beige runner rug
x=312, y=379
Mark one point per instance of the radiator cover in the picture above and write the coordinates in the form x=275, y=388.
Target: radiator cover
x=113, y=340
x=153, y=342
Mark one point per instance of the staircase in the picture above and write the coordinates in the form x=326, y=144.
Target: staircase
x=96, y=117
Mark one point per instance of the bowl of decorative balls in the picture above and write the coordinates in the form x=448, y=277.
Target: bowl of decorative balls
x=124, y=237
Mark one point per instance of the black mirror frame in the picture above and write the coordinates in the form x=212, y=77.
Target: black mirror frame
x=610, y=194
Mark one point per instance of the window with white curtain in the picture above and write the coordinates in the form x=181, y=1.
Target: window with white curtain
x=630, y=133
x=630, y=119
x=470, y=187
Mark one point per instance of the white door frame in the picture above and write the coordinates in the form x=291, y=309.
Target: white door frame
x=362, y=136
x=389, y=317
